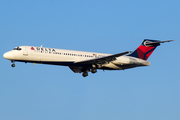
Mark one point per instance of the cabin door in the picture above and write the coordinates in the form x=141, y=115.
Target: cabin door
x=25, y=51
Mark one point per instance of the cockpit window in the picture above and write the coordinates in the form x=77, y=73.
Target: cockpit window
x=17, y=48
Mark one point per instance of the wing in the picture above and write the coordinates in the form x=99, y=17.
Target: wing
x=101, y=60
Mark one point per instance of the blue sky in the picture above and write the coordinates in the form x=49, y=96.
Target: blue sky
x=47, y=92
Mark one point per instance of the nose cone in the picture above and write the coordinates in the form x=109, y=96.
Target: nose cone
x=8, y=55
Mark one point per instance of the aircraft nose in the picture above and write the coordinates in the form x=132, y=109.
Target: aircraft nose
x=8, y=55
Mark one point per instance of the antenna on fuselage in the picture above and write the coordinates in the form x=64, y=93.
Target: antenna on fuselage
x=41, y=45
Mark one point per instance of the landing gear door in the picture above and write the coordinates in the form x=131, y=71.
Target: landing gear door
x=25, y=51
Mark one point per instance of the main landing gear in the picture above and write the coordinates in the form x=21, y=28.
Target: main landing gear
x=85, y=74
x=13, y=65
x=93, y=70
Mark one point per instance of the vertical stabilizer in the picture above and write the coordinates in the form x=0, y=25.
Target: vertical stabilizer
x=145, y=49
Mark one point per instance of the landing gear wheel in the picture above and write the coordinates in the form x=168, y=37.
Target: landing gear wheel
x=13, y=65
x=93, y=70
x=85, y=74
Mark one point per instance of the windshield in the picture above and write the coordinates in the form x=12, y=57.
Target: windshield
x=17, y=48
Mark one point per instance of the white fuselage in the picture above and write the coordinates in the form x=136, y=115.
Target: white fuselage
x=70, y=57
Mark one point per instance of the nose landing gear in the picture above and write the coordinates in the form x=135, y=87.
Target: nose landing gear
x=13, y=65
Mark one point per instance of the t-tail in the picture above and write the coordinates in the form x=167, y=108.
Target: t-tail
x=146, y=48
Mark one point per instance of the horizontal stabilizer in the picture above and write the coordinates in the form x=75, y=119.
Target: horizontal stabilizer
x=158, y=42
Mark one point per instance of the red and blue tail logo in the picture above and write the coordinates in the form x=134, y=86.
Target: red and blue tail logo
x=145, y=49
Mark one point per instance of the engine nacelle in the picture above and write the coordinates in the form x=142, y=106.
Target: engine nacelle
x=132, y=61
x=125, y=60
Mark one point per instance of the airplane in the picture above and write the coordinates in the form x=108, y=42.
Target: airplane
x=84, y=62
